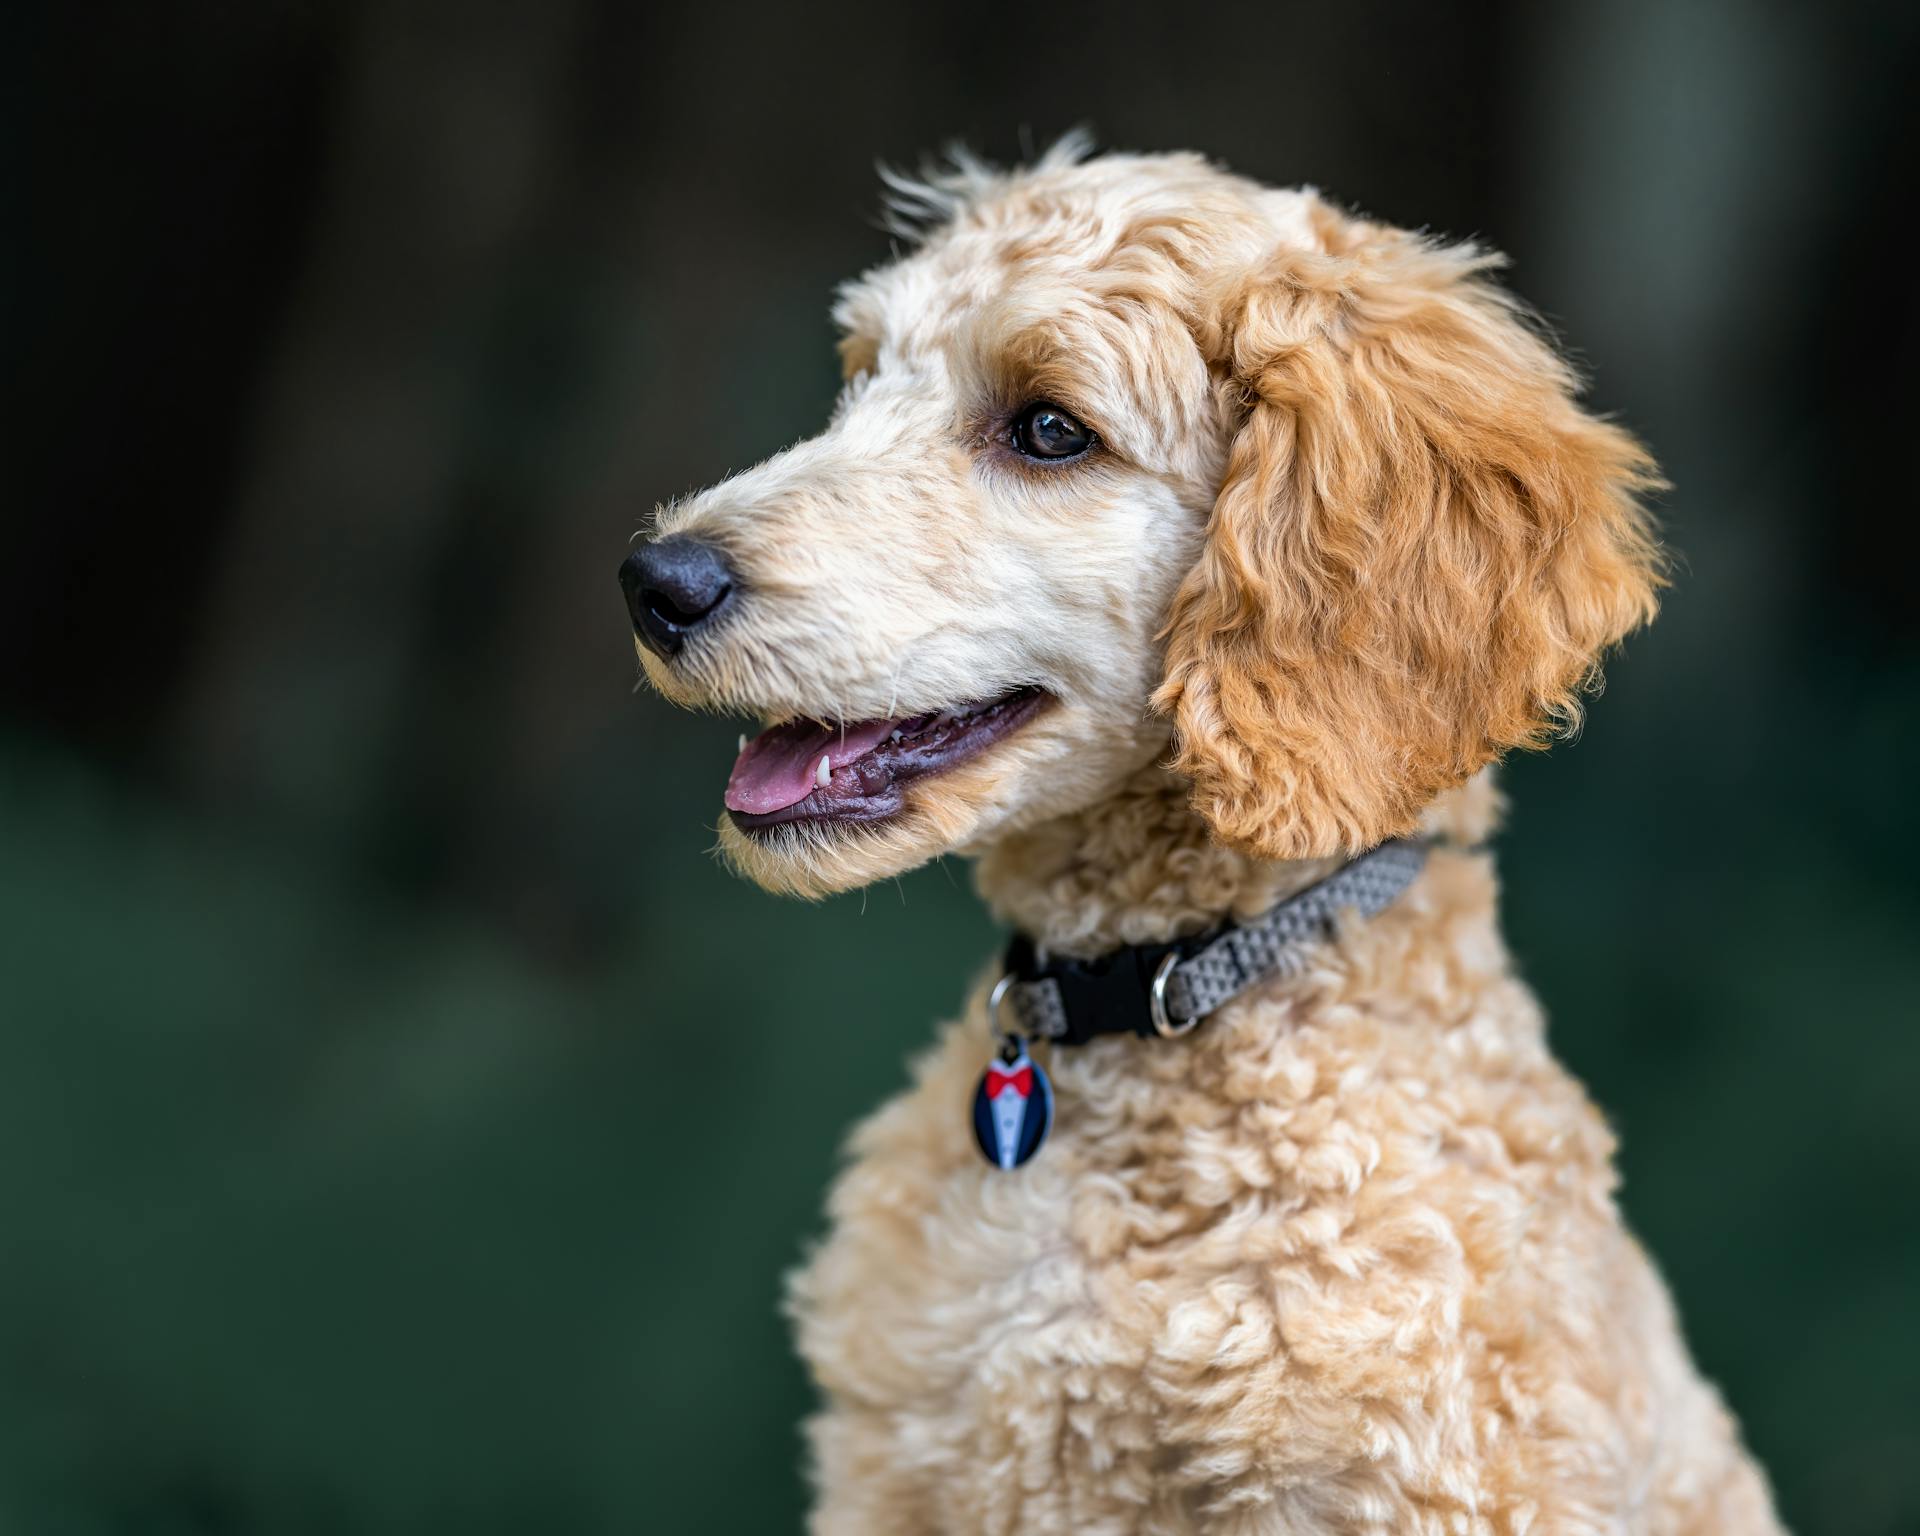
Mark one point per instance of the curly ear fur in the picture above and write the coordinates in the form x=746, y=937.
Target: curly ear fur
x=1420, y=548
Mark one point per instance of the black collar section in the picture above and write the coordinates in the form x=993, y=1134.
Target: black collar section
x=1107, y=995
x=1167, y=989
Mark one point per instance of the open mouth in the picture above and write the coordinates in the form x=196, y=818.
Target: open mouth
x=807, y=771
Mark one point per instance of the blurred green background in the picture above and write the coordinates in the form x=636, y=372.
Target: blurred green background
x=404, y=1124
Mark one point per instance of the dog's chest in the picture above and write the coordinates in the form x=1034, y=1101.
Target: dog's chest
x=1153, y=1302
x=972, y=1327
x=943, y=1275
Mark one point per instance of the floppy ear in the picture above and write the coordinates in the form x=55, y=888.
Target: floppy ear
x=1419, y=551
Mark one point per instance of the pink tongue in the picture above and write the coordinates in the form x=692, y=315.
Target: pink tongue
x=781, y=767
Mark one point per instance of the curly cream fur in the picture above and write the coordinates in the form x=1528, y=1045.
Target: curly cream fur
x=1346, y=1259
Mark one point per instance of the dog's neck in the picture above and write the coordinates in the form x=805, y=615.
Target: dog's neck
x=1142, y=867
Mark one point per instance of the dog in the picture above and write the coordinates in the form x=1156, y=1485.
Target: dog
x=1176, y=547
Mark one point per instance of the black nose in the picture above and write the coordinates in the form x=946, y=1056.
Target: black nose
x=673, y=586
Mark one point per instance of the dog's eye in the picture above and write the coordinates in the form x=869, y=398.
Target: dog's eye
x=1044, y=431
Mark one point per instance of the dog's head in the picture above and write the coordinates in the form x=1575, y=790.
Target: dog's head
x=1136, y=458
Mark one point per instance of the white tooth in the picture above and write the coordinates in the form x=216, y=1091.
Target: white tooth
x=743, y=741
x=822, y=774
x=896, y=735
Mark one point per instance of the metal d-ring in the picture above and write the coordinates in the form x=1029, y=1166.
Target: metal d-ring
x=1164, y=1026
x=994, y=999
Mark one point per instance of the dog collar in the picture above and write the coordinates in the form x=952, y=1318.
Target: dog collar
x=1150, y=990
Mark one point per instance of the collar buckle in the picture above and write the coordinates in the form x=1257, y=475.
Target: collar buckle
x=1119, y=993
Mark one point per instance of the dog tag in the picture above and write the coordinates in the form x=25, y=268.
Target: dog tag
x=1012, y=1107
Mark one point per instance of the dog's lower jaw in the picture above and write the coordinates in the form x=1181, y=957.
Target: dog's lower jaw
x=812, y=863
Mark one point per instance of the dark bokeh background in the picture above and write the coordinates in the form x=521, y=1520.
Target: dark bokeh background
x=404, y=1125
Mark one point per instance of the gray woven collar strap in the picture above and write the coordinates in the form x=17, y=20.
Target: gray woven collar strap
x=1166, y=989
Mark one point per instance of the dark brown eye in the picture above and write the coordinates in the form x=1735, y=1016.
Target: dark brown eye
x=1043, y=431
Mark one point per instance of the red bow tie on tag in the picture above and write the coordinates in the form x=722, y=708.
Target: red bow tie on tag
x=1020, y=1082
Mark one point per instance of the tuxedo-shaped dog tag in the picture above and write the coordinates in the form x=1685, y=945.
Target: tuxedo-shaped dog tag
x=1012, y=1107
